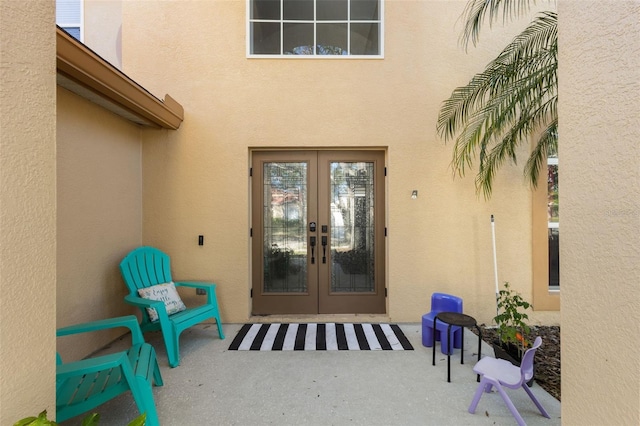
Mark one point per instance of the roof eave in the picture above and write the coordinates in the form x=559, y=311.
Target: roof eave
x=80, y=65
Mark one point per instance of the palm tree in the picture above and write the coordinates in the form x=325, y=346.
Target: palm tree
x=513, y=100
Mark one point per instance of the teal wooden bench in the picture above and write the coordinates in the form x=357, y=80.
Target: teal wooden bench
x=84, y=385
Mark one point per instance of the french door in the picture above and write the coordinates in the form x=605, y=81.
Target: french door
x=318, y=229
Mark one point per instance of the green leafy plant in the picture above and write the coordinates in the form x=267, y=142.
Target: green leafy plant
x=141, y=420
x=42, y=420
x=512, y=328
x=89, y=420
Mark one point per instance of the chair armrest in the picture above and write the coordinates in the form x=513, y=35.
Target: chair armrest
x=90, y=365
x=194, y=284
x=158, y=305
x=210, y=288
x=129, y=321
x=141, y=302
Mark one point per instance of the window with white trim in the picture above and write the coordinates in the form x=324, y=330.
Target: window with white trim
x=553, y=221
x=315, y=28
x=69, y=17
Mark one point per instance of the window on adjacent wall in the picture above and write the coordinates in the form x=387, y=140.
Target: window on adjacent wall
x=315, y=28
x=69, y=17
x=553, y=222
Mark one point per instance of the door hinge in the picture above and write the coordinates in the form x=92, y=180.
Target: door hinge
x=250, y=171
x=385, y=231
x=250, y=232
x=385, y=171
x=386, y=293
x=251, y=293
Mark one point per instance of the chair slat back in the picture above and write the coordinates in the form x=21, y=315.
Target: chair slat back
x=442, y=302
x=526, y=366
x=144, y=267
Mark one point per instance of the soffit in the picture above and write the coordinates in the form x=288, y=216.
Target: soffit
x=86, y=74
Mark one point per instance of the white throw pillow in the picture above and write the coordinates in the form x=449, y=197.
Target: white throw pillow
x=165, y=292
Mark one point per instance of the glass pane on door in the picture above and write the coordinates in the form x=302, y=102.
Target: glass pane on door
x=284, y=227
x=352, y=227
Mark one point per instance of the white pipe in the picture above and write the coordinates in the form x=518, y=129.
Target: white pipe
x=495, y=260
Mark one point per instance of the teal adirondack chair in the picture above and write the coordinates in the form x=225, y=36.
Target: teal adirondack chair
x=84, y=385
x=147, y=266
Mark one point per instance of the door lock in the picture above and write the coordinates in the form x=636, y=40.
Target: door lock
x=312, y=243
x=324, y=249
x=312, y=227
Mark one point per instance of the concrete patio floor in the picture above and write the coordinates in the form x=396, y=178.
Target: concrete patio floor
x=214, y=386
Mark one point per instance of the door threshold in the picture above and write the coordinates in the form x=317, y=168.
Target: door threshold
x=320, y=318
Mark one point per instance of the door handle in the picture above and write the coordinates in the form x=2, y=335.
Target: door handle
x=312, y=243
x=324, y=249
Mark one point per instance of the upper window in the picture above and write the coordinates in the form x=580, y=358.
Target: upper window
x=315, y=28
x=69, y=17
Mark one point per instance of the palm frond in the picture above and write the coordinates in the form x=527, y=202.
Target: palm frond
x=547, y=143
x=476, y=12
x=527, y=124
x=528, y=51
x=513, y=98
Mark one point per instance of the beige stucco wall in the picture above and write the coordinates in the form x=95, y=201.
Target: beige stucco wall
x=99, y=215
x=196, y=179
x=27, y=209
x=103, y=27
x=600, y=178
x=600, y=368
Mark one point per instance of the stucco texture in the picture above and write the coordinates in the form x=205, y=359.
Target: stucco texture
x=99, y=218
x=600, y=175
x=103, y=28
x=196, y=179
x=27, y=209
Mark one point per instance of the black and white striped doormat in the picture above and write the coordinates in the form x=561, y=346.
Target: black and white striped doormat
x=320, y=337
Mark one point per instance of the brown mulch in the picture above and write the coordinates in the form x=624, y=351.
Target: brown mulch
x=547, y=360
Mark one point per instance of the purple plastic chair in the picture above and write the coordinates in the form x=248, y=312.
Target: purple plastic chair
x=441, y=302
x=501, y=373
